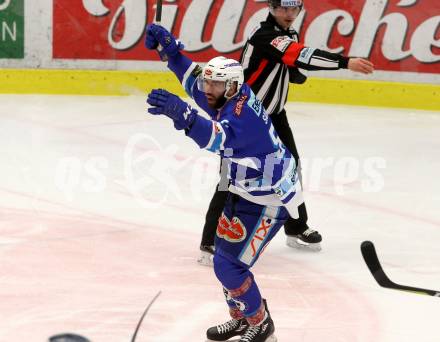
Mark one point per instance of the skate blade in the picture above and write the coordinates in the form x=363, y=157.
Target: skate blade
x=271, y=338
x=206, y=259
x=296, y=243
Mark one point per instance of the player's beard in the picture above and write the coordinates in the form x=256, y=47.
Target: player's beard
x=218, y=103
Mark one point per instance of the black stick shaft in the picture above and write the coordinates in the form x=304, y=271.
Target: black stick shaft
x=158, y=11
x=133, y=339
x=164, y=58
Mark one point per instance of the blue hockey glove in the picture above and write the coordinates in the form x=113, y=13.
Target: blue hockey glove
x=159, y=35
x=168, y=104
x=151, y=42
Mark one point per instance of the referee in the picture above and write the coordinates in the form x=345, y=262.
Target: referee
x=272, y=58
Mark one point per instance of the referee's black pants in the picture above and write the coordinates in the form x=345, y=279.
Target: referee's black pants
x=292, y=226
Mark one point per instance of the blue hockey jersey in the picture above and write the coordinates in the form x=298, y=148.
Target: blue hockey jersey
x=260, y=168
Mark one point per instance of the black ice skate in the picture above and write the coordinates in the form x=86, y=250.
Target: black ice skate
x=309, y=239
x=260, y=333
x=206, y=256
x=225, y=331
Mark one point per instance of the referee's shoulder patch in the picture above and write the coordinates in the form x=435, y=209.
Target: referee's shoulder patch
x=281, y=43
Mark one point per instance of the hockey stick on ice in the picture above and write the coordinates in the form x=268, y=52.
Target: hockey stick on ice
x=78, y=338
x=373, y=263
x=133, y=339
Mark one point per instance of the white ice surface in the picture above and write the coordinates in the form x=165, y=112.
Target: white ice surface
x=91, y=227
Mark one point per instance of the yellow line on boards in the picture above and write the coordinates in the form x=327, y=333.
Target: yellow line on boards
x=320, y=90
x=368, y=93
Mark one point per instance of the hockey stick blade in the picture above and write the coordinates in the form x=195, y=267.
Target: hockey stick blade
x=373, y=263
x=68, y=338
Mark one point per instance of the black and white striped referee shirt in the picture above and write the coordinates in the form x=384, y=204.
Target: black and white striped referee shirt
x=271, y=58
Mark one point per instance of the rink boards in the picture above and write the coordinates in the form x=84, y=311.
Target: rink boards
x=319, y=90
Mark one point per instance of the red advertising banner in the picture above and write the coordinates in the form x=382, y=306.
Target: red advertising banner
x=397, y=35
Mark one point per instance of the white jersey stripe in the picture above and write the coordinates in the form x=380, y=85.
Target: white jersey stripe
x=261, y=95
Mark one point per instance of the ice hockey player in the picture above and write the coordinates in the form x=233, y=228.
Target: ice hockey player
x=264, y=187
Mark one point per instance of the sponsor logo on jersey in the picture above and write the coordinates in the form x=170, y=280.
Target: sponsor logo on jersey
x=217, y=128
x=257, y=240
x=256, y=106
x=232, y=231
x=260, y=235
x=281, y=43
x=240, y=103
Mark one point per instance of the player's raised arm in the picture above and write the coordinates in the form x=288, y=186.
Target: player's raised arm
x=208, y=134
x=157, y=35
x=183, y=67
